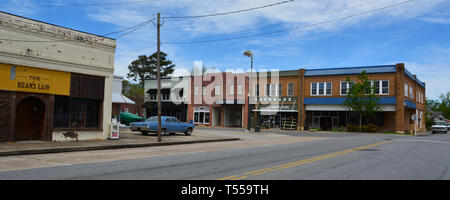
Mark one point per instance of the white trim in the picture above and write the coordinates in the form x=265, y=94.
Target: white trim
x=324, y=89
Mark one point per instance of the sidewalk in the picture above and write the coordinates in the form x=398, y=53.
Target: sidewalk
x=301, y=133
x=128, y=139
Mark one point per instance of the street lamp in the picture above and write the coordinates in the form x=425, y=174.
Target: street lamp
x=248, y=53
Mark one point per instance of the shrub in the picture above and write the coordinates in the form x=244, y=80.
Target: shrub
x=371, y=128
x=352, y=128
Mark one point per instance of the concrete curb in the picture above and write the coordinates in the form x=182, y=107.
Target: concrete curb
x=104, y=147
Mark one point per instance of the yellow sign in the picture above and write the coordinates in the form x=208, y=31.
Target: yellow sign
x=36, y=80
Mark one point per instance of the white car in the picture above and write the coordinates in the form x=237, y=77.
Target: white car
x=439, y=127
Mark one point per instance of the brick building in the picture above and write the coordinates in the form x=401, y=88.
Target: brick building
x=305, y=98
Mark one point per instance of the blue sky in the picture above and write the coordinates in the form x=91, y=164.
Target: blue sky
x=416, y=33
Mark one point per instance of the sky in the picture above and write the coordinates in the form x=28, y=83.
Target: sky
x=309, y=34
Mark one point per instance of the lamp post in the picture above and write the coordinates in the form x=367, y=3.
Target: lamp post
x=248, y=53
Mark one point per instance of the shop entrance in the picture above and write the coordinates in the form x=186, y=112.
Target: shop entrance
x=30, y=118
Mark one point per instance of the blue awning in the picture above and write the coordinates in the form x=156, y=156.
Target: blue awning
x=410, y=104
x=340, y=100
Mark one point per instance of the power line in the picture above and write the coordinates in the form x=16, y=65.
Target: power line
x=230, y=12
x=134, y=29
x=82, y=5
x=276, y=24
x=290, y=29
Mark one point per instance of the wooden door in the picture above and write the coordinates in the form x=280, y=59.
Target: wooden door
x=30, y=118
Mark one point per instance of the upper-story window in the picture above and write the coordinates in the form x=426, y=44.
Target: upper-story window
x=411, y=92
x=290, y=89
x=239, y=89
x=217, y=90
x=231, y=88
x=406, y=89
x=196, y=90
x=273, y=90
x=380, y=86
x=321, y=88
x=280, y=89
x=257, y=90
x=345, y=87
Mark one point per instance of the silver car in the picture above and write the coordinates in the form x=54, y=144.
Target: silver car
x=439, y=127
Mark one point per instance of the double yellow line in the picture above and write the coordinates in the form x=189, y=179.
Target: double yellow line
x=301, y=162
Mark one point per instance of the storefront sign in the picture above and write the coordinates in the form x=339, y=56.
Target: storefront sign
x=278, y=107
x=267, y=100
x=29, y=79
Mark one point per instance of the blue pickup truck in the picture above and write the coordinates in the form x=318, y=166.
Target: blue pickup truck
x=168, y=125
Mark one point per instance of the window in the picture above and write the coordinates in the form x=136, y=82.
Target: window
x=406, y=89
x=322, y=88
x=328, y=88
x=165, y=94
x=380, y=86
x=411, y=92
x=76, y=113
x=196, y=90
x=61, y=111
x=239, y=89
x=273, y=89
x=290, y=89
x=216, y=90
x=231, y=88
x=92, y=113
x=376, y=87
x=313, y=88
x=201, y=114
x=385, y=87
x=345, y=87
x=280, y=89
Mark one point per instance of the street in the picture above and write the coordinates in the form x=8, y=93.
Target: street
x=257, y=156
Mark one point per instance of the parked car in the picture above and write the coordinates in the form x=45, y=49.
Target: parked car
x=168, y=125
x=448, y=125
x=439, y=127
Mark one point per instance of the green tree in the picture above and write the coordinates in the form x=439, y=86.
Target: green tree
x=361, y=98
x=145, y=67
x=135, y=92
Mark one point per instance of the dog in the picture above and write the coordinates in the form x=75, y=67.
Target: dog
x=70, y=134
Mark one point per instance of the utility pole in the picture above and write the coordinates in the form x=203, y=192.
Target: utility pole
x=159, y=77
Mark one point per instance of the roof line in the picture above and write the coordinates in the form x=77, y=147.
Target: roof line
x=350, y=67
x=56, y=25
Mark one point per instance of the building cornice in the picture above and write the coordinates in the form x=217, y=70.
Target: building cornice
x=31, y=61
x=53, y=33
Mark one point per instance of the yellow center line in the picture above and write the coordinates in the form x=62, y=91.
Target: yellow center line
x=301, y=162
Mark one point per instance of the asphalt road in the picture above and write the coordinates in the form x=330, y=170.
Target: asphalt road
x=338, y=157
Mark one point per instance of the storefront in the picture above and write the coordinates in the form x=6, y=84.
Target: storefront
x=276, y=112
x=56, y=89
x=36, y=102
x=201, y=115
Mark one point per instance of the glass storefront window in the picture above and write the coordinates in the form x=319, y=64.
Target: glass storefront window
x=76, y=113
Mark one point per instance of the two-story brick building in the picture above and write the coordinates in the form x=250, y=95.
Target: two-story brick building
x=305, y=98
x=325, y=91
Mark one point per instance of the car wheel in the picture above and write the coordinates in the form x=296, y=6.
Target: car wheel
x=144, y=132
x=163, y=131
x=188, y=131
